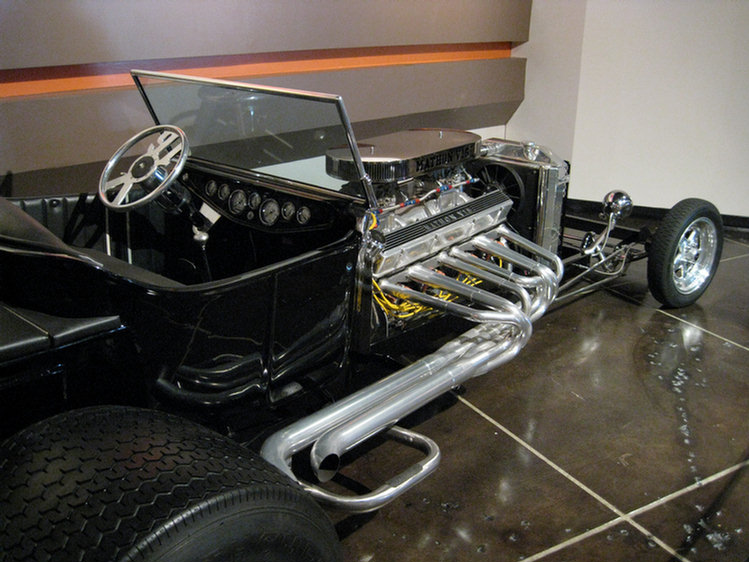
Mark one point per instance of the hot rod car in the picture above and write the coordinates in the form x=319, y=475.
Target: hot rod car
x=178, y=353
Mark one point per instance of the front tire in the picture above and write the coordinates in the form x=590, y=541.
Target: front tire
x=685, y=253
x=126, y=484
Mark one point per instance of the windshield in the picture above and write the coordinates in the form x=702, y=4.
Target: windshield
x=275, y=132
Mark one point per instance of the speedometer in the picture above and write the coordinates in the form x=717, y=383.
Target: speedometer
x=287, y=211
x=254, y=200
x=303, y=215
x=270, y=210
x=237, y=202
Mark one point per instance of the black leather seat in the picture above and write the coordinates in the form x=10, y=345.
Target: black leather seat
x=26, y=332
x=20, y=230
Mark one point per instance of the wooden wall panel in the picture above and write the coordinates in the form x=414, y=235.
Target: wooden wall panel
x=52, y=33
x=397, y=64
x=380, y=93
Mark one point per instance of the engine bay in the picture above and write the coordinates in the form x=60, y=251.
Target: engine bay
x=455, y=218
x=426, y=199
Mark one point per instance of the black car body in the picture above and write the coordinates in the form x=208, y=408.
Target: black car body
x=230, y=282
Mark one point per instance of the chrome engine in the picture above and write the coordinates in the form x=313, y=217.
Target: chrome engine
x=443, y=215
x=426, y=198
x=441, y=240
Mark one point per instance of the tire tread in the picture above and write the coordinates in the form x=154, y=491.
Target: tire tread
x=88, y=484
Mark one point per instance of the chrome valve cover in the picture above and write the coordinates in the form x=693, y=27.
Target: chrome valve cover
x=431, y=234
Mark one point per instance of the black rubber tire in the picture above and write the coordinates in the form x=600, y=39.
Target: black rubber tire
x=127, y=484
x=665, y=245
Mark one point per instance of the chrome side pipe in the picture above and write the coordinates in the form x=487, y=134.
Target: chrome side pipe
x=554, y=261
x=503, y=329
x=487, y=354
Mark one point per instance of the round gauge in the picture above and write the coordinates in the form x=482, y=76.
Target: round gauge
x=223, y=191
x=287, y=211
x=270, y=210
x=303, y=215
x=210, y=188
x=255, y=200
x=250, y=215
x=237, y=202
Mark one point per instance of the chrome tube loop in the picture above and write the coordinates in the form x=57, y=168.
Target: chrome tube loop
x=457, y=263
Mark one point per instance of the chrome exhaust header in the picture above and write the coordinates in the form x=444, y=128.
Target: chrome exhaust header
x=528, y=282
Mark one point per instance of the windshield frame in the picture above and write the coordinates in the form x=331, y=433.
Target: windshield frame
x=334, y=99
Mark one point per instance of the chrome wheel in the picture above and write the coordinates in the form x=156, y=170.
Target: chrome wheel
x=695, y=255
x=684, y=252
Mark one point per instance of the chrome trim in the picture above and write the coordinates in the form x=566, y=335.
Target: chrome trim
x=393, y=487
x=406, y=154
x=695, y=253
x=503, y=329
x=620, y=254
x=553, y=177
x=415, y=242
x=303, y=94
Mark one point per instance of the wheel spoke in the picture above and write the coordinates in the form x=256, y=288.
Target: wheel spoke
x=122, y=194
x=679, y=270
x=692, y=237
x=169, y=146
x=166, y=138
x=166, y=158
x=114, y=183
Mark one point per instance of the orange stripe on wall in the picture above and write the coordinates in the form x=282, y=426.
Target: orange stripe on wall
x=30, y=82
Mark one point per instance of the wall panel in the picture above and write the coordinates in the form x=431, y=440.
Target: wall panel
x=397, y=64
x=44, y=33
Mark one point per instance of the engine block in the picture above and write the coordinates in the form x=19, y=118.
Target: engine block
x=426, y=200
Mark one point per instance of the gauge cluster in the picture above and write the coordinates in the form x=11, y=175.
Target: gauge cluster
x=246, y=203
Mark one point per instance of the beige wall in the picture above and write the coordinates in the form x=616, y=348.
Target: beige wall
x=647, y=96
x=553, y=53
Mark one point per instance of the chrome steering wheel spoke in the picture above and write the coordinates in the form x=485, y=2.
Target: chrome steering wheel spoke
x=154, y=170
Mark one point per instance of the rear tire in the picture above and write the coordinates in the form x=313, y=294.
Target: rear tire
x=125, y=484
x=685, y=252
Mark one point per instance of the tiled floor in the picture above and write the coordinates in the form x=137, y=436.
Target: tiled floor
x=620, y=433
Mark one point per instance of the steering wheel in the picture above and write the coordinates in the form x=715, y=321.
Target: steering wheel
x=152, y=172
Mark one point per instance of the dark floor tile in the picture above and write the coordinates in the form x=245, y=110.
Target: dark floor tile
x=738, y=235
x=621, y=543
x=724, y=308
x=709, y=524
x=490, y=500
x=734, y=247
x=632, y=402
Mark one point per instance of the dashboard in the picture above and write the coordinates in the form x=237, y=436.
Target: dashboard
x=251, y=204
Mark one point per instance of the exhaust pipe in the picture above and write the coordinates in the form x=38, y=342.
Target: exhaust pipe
x=503, y=329
x=486, y=355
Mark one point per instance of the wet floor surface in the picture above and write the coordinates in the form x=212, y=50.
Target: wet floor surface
x=620, y=433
